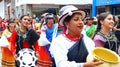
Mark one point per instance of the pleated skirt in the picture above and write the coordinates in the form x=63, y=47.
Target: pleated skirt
x=8, y=60
x=44, y=59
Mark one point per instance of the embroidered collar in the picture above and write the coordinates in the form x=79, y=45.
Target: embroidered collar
x=110, y=37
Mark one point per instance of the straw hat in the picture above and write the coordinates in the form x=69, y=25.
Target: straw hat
x=68, y=11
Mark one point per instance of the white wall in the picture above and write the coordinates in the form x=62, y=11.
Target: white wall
x=46, y=3
x=20, y=2
x=80, y=2
x=2, y=10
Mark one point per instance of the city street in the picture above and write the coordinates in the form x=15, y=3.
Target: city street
x=59, y=33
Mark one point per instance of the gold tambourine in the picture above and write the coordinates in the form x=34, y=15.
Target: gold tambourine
x=110, y=58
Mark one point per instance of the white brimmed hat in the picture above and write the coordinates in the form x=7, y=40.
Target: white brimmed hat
x=49, y=15
x=44, y=14
x=68, y=11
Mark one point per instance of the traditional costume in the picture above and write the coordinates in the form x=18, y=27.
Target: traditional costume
x=8, y=59
x=46, y=37
x=71, y=51
x=68, y=50
x=109, y=42
x=48, y=33
x=29, y=40
x=117, y=32
x=90, y=32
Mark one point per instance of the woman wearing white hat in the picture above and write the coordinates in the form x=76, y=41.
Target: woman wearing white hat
x=71, y=48
x=48, y=33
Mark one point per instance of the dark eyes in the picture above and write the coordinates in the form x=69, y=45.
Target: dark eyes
x=26, y=19
x=77, y=19
x=110, y=18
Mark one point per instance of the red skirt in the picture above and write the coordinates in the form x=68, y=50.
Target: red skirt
x=44, y=58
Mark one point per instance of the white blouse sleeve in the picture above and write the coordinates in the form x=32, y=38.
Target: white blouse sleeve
x=59, y=52
x=43, y=40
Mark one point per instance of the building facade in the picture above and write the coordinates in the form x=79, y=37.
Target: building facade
x=112, y=6
x=16, y=8
x=7, y=8
x=2, y=11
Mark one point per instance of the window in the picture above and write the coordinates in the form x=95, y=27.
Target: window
x=117, y=10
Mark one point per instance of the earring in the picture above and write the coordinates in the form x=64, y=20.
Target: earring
x=66, y=31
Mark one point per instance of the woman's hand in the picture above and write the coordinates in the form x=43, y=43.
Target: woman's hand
x=93, y=63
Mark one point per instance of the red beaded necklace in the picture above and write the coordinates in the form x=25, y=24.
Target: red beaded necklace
x=74, y=38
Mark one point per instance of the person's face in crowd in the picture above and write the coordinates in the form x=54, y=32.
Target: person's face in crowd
x=108, y=22
x=12, y=25
x=25, y=21
x=75, y=25
x=50, y=21
x=89, y=21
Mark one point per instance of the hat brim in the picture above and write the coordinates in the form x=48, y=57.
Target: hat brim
x=61, y=19
x=89, y=18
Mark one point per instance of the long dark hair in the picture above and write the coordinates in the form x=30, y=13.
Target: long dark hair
x=101, y=17
x=118, y=18
x=23, y=16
